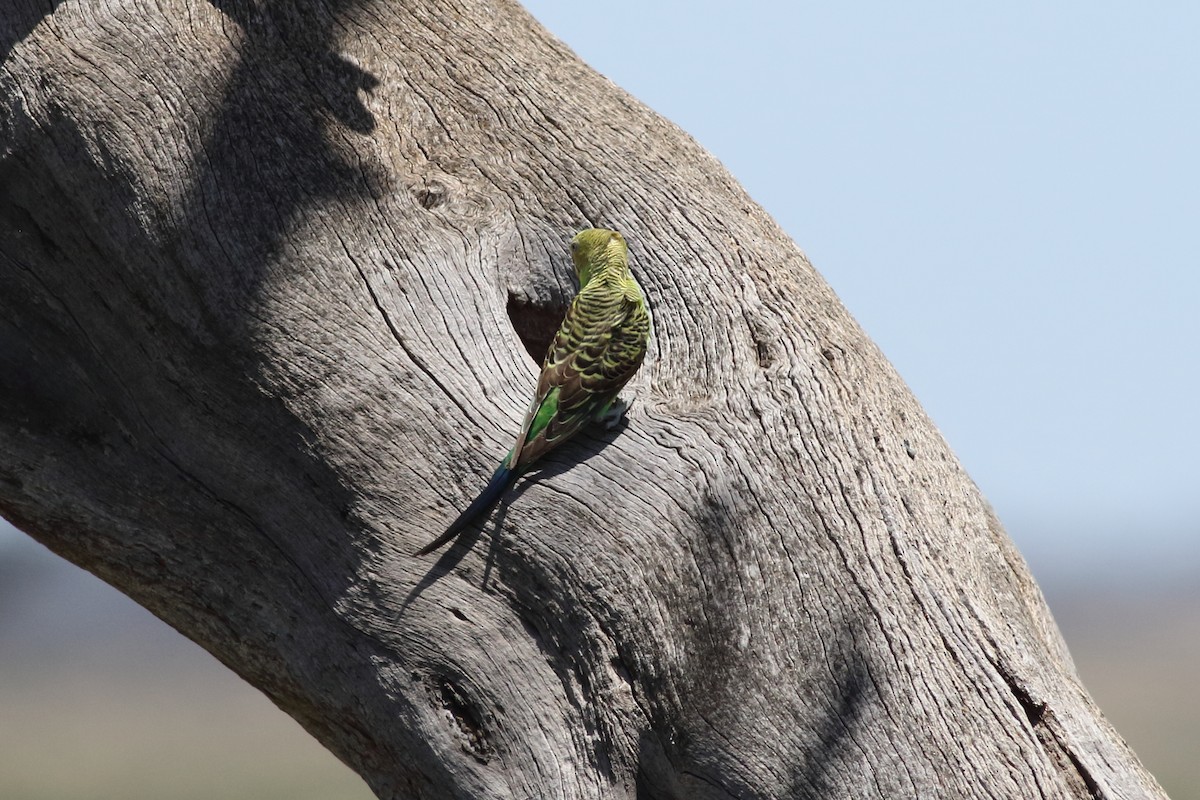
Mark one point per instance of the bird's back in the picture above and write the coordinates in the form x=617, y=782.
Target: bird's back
x=598, y=348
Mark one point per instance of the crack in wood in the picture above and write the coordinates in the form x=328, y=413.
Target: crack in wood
x=535, y=323
x=1052, y=738
x=468, y=719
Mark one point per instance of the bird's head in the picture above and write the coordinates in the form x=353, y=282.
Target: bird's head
x=596, y=249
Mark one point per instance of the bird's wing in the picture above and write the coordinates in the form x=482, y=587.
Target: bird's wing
x=599, y=346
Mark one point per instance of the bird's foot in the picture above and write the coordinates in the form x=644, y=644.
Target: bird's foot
x=615, y=413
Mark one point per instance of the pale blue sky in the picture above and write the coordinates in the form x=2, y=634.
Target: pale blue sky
x=1007, y=198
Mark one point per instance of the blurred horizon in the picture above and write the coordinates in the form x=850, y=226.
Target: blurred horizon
x=102, y=699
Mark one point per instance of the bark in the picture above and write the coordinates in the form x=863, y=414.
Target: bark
x=270, y=276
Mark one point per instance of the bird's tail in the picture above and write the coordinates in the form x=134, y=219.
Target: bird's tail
x=502, y=479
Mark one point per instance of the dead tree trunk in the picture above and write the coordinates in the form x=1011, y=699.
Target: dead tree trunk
x=269, y=273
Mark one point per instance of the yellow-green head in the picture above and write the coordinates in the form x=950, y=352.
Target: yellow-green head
x=596, y=249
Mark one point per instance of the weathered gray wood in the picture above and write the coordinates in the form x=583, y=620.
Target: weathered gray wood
x=262, y=275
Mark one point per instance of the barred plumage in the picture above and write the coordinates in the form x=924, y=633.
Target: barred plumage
x=598, y=347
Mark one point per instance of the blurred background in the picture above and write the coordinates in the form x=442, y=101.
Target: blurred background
x=1005, y=197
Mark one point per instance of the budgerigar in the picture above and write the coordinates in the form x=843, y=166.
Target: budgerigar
x=598, y=347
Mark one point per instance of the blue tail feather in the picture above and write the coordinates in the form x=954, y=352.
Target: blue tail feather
x=502, y=479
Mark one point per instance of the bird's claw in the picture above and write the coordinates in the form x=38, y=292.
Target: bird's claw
x=615, y=413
